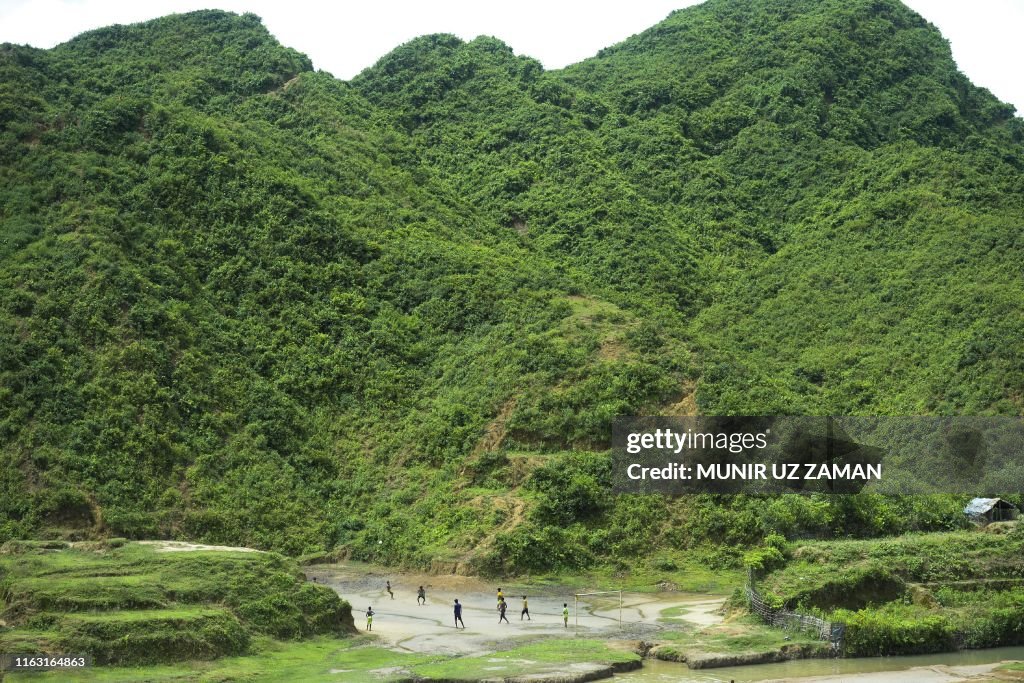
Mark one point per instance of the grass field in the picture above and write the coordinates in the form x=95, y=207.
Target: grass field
x=353, y=660
x=273, y=661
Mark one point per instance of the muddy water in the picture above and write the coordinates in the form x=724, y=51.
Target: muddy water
x=940, y=668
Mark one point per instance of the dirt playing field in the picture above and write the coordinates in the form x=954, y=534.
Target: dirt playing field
x=405, y=625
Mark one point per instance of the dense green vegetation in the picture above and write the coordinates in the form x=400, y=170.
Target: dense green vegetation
x=244, y=302
x=909, y=595
x=135, y=605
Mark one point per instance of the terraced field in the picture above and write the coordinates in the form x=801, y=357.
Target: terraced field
x=132, y=604
x=914, y=594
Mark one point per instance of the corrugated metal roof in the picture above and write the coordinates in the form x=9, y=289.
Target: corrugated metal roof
x=979, y=506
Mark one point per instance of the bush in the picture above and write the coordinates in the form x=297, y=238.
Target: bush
x=574, y=488
x=529, y=549
x=895, y=630
x=763, y=559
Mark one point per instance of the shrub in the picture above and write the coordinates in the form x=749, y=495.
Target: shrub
x=893, y=631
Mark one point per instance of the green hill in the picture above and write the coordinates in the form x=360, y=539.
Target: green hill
x=244, y=302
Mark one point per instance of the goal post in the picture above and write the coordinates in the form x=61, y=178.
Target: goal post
x=576, y=606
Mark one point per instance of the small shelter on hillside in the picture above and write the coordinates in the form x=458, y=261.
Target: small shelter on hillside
x=985, y=510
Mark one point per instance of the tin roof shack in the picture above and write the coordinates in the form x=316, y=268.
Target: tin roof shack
x=987, y=510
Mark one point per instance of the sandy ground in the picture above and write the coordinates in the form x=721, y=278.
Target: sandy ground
x=702, y=612
x=405, y=625
x=183, y=546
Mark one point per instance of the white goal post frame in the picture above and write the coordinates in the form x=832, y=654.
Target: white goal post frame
x=576, y=606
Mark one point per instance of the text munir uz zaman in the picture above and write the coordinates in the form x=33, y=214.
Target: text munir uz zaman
x=667, y=439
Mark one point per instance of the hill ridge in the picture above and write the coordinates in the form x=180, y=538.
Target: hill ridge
x=245, y=303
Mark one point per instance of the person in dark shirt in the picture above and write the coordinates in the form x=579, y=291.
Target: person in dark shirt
x=388, y=589
x=458, y=614
x=421, y=596
x=502, y=606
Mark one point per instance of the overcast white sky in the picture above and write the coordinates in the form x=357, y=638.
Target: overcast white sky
x=345, y=37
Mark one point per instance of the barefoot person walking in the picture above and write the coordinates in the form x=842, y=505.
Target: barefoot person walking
x=369, y=618
x=526, y=611
x=388, y=589
x=421, y=596
x=565, y=613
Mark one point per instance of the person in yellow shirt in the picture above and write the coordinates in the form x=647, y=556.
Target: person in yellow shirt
x=526, y=611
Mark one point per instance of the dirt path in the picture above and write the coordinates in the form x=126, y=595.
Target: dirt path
x=404, y=625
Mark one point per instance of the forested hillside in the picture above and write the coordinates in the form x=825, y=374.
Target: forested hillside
x=244, y=302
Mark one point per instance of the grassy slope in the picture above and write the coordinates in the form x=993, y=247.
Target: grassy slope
x=134, y=604
x=682, y=572
x=838, y=215
x=824, y=571
x=918, y=593
x=281, y=222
